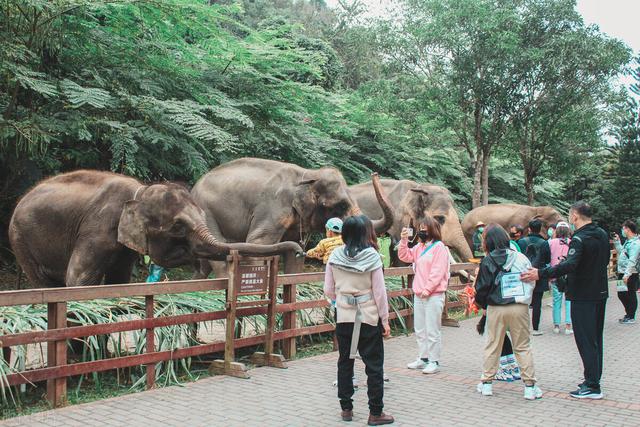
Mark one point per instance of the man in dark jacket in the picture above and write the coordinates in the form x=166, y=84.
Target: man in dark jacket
x=537, y=250
x=587, y=289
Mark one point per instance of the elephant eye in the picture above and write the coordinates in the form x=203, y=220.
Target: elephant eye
x=178, y=228
x=440, y=218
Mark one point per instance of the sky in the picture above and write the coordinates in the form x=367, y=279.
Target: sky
x=617, y=18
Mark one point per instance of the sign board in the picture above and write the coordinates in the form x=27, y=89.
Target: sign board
x=253, y=279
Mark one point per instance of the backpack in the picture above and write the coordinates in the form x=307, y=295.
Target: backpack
x=532, y=250
x=562, y=281
x=508, y=281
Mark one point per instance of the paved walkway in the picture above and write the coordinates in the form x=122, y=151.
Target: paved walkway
x=303, y=396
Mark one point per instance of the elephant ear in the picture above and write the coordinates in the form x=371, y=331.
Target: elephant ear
x=131, y=228
x=417, y=202
x=304, y=199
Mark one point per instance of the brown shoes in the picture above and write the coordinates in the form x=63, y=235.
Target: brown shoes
x=347, y=415
x=378, y=420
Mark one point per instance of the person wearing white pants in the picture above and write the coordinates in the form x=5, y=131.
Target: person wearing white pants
x=427, y=320
x=430, y=258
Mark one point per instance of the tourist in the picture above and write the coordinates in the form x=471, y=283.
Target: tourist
x=324, y=248
x=515, y=234
x=477, y=240
x=559, y=247
x=354, y=279
x=505, y=297
x=587, y=289
x=537, y=250
x=628, y=270
x=430, y=258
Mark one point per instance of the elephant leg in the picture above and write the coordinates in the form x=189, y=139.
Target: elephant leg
x=201, y=269
x=87, y=265
x=219, y=269
x=36, y=274
x=120, y=270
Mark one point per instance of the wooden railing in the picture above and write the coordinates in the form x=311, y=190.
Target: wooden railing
x=58, y=369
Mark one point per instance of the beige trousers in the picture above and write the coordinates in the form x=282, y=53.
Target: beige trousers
x=515, y=319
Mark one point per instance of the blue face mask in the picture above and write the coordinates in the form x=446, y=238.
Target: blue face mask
x=550, y=232
x=480, y=229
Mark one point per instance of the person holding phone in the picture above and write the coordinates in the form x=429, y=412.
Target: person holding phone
x=430, y=258
x=354, y=279
x=628, y=270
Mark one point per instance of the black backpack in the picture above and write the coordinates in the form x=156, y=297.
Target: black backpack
x=532, y=249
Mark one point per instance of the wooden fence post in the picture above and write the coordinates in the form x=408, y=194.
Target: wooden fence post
x=289, y=293
x=150, y=346
x=57, y=353
x=409, y=317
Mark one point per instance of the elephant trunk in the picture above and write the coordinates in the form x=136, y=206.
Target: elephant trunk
x=219, y=249
x=384, y=224
x=459, y=243
x=355, y=210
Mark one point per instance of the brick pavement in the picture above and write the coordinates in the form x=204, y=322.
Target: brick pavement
x=303, y=396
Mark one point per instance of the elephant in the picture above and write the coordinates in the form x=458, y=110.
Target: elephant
x=266, y=201
x=508, y=214
x=81, y=227
x=412, y=202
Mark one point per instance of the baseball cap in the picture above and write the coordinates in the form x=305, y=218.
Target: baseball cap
x=334, y=224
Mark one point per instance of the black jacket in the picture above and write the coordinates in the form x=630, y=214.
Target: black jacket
x=585, y=266
x=487, y=293
x=541, y=260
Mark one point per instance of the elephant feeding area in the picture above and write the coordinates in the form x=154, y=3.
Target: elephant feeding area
x=31, y=318
x=303, y=394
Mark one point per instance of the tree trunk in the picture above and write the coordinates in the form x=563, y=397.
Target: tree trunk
x=476, y=199
x=528, y=185
x=485, y=178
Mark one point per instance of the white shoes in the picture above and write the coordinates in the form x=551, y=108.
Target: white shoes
x=568, y=331
x=431, y=368
x=417, y=364
x=486, y=389
x=532, y=392
x=536, y=333
x=556, y=329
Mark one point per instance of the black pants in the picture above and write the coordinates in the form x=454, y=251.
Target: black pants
x=371, y=350
x=536, y=304
x=588, y=324
x=629, y=298
x=507, y=349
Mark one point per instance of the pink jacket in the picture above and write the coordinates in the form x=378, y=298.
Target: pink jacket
x=432, y=268
x=559, y=249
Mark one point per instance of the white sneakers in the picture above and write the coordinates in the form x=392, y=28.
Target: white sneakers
x=568, y=331
x=426, y=367
x=532, y=392
x=486, y=389
x=431, y=368
x=556, y=329
x=417, y=364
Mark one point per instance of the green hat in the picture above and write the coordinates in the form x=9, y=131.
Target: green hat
x=335, y=225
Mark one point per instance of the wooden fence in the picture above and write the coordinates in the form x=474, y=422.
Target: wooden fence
x=58, y=369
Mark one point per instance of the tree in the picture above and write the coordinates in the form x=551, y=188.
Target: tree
x=564, y=78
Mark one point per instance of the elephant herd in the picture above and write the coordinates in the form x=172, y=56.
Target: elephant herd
x=87, y=227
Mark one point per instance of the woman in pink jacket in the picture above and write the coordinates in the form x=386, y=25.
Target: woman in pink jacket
x=430, y=258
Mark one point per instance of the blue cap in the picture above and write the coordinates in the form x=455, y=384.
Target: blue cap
x=335, y=225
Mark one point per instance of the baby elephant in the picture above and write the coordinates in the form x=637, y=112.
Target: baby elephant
x=82, y=227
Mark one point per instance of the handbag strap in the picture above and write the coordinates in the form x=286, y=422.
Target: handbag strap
x=428, y=248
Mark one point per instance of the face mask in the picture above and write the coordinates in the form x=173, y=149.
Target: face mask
x=513, y=235
x=623, y=233
x=481, y=229
x=550, y=233
x=422, y=235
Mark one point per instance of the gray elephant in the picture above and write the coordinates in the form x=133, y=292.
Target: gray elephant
x=265, y=201
x=508, y=214
x=412, y=202
x=82, y=227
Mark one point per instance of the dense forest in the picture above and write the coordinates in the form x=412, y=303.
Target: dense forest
x=497, y=100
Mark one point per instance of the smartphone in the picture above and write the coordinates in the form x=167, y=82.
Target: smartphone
x=410, y=231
